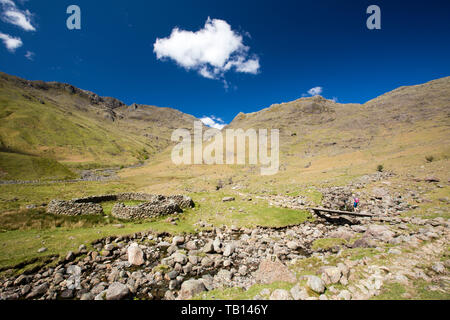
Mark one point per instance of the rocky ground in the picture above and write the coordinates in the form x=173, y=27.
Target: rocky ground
x=322, y=259
x=158, y=266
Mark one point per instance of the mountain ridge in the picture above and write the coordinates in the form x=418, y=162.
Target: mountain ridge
x=79, y=128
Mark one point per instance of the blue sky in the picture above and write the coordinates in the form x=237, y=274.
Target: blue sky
x=276, y=51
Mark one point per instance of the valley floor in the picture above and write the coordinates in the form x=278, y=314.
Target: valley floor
x=262, y=245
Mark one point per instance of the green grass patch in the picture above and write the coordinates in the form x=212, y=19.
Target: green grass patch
x=328, y=243
x=14, y=166
x=12, y=197
x=360, y=253
x=419, y=290
x=39, y=220
x=58, y=129
x=391, y=291
x=21, y=245
x=108, y=205
x=242, y=213
x=435, y=207
x=241, y=294
x=424, y=291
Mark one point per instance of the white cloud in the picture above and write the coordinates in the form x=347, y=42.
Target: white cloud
x=213, y=122
x=7, y=2
x=30, y=55
x=13, y=15
x=211, y=51
x=315, y=91
x=10, y=43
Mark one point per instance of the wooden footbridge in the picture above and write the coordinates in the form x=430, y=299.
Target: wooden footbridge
x=342, y=213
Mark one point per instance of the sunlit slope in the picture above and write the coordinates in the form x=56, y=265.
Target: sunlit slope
x=323, y=141
x=15, y=166
x=64, y=123
x=406, y=118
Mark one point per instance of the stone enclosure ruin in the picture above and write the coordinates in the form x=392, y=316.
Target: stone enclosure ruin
x=152, y=206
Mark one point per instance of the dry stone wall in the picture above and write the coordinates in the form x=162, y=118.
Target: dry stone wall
x=155, y=205
x=72, y=208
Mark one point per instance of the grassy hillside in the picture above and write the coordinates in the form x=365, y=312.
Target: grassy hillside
x=15, y=166
x=77, y=127
x=323, y=142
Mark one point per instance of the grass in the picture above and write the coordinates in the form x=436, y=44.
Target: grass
x=241, y=294
x=58, y=129
x=14, y=166
x=39, y=220
x=327, y=243
x=12, y=197
x=108, y=205
x=242, y=213
x=434, y=207
x=425, y=293
x=419, y=290
x=391, y=291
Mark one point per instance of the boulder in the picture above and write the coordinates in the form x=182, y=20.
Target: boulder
x=209, y=247
x=344, y=295
x=179, y=257
x=331, y=275
x=316, y=284
x=117, y=291
x=299, y=293
x=67, y=294
x=292, y=245
x=190, y=288
x=243, y=270
x=191, y=245
x=364, y=243
x=228, y=199
x=217, y=245
x=229, y=249
x=273, y=271
x=207, y=262
x=177, y=240
x=438, y=267
x=280, y=294
x=379, y=232
x=135, y=255
x=38, y=291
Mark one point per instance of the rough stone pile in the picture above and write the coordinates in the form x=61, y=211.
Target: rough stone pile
x=378, y=201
